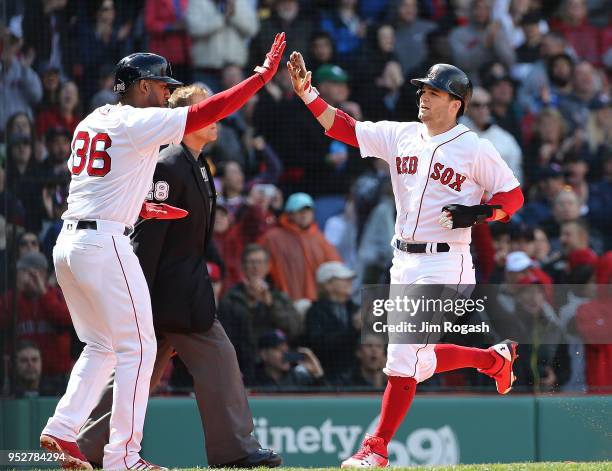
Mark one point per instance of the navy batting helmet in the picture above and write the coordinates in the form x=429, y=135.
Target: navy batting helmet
x=142, y=65
x=449, y=79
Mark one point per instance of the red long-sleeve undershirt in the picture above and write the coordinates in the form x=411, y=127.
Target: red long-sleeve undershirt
x=510, y=202
x=222, y=104
x=343, y=129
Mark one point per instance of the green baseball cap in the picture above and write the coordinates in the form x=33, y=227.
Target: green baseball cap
x=330, y=73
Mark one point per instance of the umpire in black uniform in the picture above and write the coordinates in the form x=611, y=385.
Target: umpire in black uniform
x=172, y=255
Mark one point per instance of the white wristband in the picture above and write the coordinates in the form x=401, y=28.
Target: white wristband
x=309, y=96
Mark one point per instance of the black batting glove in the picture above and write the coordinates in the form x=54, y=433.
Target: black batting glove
x=455, y=216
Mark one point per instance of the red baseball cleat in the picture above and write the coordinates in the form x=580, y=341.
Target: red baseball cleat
x=72, y=456
x=144, y=465
x=501, y=371
x=372, y=454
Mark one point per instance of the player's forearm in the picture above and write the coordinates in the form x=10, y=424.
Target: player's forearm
x=510, y=202
x=326, y=119
x=337, y=124
x=320, y=109
x=222, y=104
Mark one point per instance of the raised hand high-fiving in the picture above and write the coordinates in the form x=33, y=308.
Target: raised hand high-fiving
x=300, y=77
x=273, y=58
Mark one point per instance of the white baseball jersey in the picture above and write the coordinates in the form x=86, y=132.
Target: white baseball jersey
x=114, y=153
x=428, y=173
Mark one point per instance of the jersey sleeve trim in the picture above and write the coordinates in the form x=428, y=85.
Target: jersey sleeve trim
x=184, y=124
x=357, y=135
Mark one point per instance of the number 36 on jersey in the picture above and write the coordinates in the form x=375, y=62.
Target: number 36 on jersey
x=90, y=151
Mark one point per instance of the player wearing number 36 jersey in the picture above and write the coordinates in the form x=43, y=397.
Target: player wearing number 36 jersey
x=441, y=173
x=114, y=154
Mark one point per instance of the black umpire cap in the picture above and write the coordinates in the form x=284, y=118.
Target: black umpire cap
x=449, y=79
x=142, y=65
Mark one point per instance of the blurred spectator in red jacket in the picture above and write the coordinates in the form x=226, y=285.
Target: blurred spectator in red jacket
x=594, y=323
x=42, y=314
x=574, y=24
x=66, y=115
x=165, y=24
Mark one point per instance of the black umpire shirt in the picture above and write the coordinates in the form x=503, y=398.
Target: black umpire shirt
x=172, y=252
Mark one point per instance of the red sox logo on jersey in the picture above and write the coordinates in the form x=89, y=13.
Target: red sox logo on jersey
x=445, y=176
x=408, y=165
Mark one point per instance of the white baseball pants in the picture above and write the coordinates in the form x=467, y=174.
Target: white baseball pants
x=110, y=306
x=418, y=361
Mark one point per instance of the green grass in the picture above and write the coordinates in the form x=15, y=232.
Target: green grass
x=570, y=466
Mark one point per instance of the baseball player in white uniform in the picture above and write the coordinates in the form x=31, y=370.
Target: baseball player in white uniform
x=440, y=173
x=114, y=153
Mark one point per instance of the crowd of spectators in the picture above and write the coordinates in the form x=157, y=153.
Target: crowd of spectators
x=302, y=222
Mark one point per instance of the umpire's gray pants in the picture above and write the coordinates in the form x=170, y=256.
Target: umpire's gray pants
x=211, y=359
